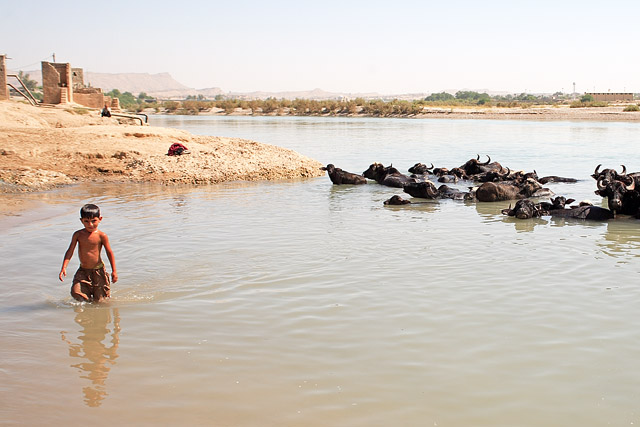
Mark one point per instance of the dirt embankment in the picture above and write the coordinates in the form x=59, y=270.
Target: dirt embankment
x=44, y=147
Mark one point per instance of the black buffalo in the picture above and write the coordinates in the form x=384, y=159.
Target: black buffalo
x=387, y=175
x=608, y=175
x=622, y=197
x=422, y=190
x=448, y=179
x=338, y=176
x=584, y=212
x=556, y=203
x=420, y=168
x=496, y=191
x=525, y=209
x=553, y=178
x=427, y=190
x=396, y=200
x=475, y=167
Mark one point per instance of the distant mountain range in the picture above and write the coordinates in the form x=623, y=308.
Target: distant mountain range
x=163, y=86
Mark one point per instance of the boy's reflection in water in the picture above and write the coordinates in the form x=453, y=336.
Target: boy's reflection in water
x=98, y=354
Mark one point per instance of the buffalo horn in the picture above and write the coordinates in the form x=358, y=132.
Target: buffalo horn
x=597, y=169
x=632, y=186
x=624, y=170
x=488, y=161
x=600, y=185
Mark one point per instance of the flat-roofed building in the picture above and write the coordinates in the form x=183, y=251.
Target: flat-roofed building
x=611, y=96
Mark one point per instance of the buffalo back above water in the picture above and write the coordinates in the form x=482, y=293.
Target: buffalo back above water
x=496, y=191
x=339, y=176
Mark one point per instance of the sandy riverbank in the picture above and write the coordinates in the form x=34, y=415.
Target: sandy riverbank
x=46, y=147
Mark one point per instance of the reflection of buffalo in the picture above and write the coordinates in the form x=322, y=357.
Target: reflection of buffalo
x=387, y=175
x=338, y=176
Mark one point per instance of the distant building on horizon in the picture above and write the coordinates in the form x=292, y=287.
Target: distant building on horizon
x=611, y=96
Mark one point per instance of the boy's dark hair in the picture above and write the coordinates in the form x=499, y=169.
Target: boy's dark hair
x=89, y=211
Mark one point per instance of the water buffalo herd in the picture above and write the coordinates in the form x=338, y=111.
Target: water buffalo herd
x=491, y=182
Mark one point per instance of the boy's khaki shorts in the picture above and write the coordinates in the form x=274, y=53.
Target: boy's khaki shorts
x=94, y=282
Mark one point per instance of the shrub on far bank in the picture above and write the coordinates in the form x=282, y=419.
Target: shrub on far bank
x=632, y=107
x=586, y=98
x=581, y=104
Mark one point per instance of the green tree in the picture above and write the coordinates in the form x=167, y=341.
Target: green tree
x=442, y=96
x=170, y=106
x=586, y=98
x=32, y=85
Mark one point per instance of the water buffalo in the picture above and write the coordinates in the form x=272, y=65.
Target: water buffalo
x=494, y=176
x=556, y=203
x=427, y=190
x=496, y=191
x=440, y=171
x=446, y=192
x=420, y=168
x=422, y=190
x=459, y=172
x=553, y=178
x=584, y=212
x=621, y=197
x=338, y=176
x=448, y=178
x=608, y=175
x=396, y=200
x=387, y=175
x=474, y=167
x=525, y=209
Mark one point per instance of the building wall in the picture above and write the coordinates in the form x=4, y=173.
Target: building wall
x=57, y=86
x=77, y=76
x=611, y=96
x=4, y=89
x=89, y=97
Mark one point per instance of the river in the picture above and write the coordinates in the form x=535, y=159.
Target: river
x=301, y=303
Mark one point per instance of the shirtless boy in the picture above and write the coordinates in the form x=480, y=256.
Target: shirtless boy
x=91, y=281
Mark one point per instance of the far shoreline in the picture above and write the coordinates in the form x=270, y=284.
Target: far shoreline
x=613, y=113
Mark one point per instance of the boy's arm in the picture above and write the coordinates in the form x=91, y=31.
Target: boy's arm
x=68, y=255
x=112, y=259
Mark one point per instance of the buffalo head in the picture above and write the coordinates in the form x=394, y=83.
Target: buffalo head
x=524, y=209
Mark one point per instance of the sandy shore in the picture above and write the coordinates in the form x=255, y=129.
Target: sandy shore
x=45, y=147
x=563, y=112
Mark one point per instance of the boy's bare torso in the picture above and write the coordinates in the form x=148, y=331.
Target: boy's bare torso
x=89, y=248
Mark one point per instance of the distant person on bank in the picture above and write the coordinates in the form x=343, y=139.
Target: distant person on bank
x=105, y=111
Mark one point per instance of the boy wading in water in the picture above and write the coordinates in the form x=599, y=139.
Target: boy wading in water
x=91, y=281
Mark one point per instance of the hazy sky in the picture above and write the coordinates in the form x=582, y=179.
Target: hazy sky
x=388, y=47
